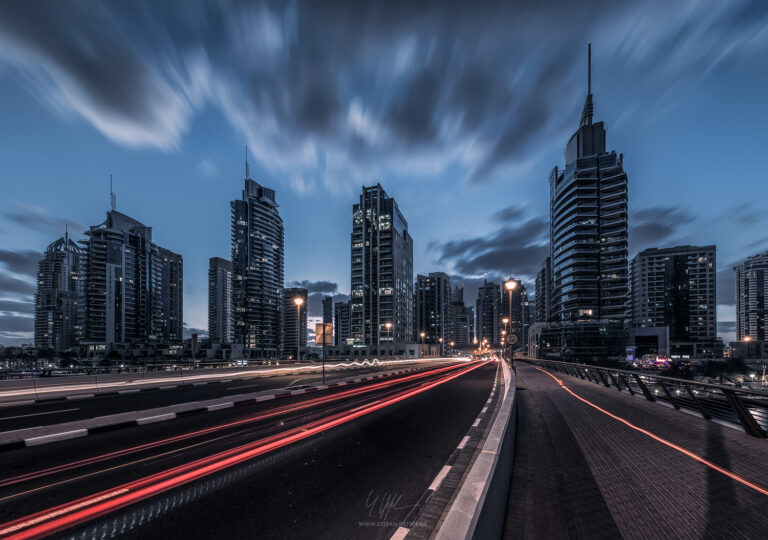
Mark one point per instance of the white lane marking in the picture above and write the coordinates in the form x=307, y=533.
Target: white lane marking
x=239, y=387
x=439, y=478
x=135, y=390
x=265, y=398
x=166, y=387
x=79, y=396
x=322, y=387
x=17, y=403
x=220, y=406
x=54, y=437
x=400, y=533
x=297, y=392
x=463, y=442
x=484, y=409
x=153, y=419
x=477, y=423
x=200, y=383
x=38, y=414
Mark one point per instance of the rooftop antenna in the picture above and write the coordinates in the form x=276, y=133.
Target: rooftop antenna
x=247, y=167
x=112, y=196
x=66, y=234
x=587, y=111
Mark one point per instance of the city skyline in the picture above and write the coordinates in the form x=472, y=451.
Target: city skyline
x=58, y=161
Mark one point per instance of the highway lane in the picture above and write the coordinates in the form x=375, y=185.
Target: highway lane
x=405, y=444
x=68, y=410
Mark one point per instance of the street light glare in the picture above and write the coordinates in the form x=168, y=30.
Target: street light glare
x=298, y=300
x=510, y=285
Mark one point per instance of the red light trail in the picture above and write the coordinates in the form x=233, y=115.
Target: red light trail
x=87, y=508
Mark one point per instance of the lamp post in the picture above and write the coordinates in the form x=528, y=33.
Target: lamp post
x=388, y=326
x=510, y=285
x=505, y=320
x=422, y=334
x=298, y=301
x=452, y=351
x=441, y=346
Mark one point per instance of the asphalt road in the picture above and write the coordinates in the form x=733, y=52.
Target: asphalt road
x=330, y=485
x=64, y=410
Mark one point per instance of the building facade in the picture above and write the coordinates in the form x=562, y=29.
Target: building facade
x=434, y=309
x=544, y=292
x=588, y=227
x=219, y=300
x=381, y=270
x=751, y=287
x=294, y=321
x=327, y=309
x=258, y=256
x=463, y=320
x=59, y=306
x=488, y=314
x=676, y=287
x=133, y=288
x=342, y=332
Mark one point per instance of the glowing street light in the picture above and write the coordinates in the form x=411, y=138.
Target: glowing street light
x=388, y=326
x=298, y=301
x=510, y=285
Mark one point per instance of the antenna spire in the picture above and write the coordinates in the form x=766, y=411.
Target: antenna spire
x=587, y=111
x=66, y=234
x=112, y=196
x=247, y=167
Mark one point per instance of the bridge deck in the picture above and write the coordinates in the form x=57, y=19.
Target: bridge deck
x=580, y=473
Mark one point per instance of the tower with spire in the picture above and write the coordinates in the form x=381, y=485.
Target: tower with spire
x=588, y=225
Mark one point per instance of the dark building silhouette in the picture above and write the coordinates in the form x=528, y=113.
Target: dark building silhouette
x=463, y=320
x=342, y=332
x=327, y=309
x=751, y=287
x=59, y=305
x=219, y=300
x=434, y=309
x=381, y=270
x=544, y=292
x=488, y=314
x=257, y=271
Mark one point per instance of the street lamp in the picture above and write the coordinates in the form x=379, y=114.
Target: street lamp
x=422, y=334
x=452, y=351
x=388, y=326
x=441, y=346
x=510, y=285
x=298, y=301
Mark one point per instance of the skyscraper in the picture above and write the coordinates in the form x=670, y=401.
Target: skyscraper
x=257, y=271
x=675, y=287
x=751, y=287
x=59, y=306
x=342, y=332
x=327, y=309
x=434, y=308
x=463, y=321
x=134, y=288
x=219, y=300
x=588, y=226
x=544, y=292
x=488, y=313
x=294, y=321
x=381, y=270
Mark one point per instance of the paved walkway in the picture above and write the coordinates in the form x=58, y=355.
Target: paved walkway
x=581, y=474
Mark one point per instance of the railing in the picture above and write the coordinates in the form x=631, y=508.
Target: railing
x=747, y=408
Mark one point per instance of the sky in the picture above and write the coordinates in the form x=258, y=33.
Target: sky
x=459, y=109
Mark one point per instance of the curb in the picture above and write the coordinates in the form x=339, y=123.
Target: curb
x=156, y=416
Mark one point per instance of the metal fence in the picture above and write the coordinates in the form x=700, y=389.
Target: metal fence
x=748, y=408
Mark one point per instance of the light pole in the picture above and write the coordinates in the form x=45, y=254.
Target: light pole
x=452, y=351
x=441, y=346
x=388, y=326
x=298, y=301
x=505, y=320
x=510, y=285
x=422, y=334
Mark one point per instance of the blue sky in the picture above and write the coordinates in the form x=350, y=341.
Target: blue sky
x=460, y=110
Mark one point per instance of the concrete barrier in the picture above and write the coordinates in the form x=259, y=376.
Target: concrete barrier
x=479, y=507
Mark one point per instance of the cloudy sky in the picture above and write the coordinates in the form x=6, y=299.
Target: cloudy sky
x=459, y=109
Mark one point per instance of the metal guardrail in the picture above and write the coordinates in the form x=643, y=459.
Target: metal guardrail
x=747, y=408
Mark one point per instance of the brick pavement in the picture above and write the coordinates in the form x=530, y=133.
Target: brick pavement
x=581, y=474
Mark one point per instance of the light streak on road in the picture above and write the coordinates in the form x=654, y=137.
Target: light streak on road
x=286, y=409
x=87, y=508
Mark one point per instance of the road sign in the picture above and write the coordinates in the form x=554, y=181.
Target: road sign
x=323, y=334
x=512, y=339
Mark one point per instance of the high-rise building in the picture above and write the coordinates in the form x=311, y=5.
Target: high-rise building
x=257, y=271
x=544, y=292
x=327, y=309
x=134, y=288
x=342, y=332
x=488, y=314
x=588, y=227
x=463, y=320
x=381, y=270
x=219, y=300
x=751, y=288
x=59, y=306
x=294, y=321
x=518, y=315
x=434, y=308
x=675, y=287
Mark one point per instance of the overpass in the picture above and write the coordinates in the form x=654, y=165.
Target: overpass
x=443, y=449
